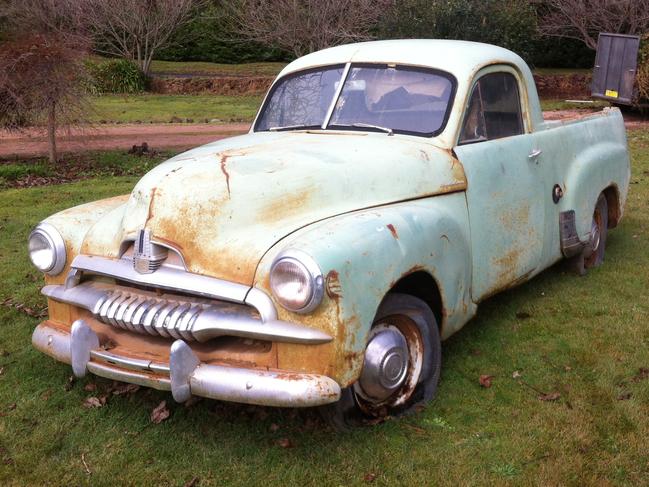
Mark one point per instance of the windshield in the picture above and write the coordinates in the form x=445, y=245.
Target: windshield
x=375, y=97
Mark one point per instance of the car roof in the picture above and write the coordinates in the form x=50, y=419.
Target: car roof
x=461, y=58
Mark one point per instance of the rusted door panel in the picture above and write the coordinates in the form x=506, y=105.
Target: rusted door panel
x=506, y=211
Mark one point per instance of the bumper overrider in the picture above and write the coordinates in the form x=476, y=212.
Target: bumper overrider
x=186, y=319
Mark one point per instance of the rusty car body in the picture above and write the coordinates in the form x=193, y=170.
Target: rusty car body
x=384, y=190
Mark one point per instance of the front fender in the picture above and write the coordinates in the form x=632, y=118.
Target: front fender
x=363, y=255
x=74, y=223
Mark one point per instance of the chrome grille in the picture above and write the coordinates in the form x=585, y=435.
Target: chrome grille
x=143, y=314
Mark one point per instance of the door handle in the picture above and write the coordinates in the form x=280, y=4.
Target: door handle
x=534, y=154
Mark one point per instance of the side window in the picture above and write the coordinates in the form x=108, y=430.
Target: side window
x=494, y=109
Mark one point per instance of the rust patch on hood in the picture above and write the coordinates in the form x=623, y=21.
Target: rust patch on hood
x=224, y=160
x=393, y=231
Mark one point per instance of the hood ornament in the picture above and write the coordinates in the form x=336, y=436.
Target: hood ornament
x=147, y=256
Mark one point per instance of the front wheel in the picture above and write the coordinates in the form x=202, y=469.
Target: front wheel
x=401, y=365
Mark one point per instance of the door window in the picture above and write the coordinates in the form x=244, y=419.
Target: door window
x=494, y=109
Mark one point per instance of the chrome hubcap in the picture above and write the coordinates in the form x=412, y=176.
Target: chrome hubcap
x=386, y=364
x=594, y=236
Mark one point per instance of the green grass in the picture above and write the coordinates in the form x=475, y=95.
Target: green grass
x=71, y=167
x=583, y=337
x=215, y=69
x=551, y=104
x=162, y=108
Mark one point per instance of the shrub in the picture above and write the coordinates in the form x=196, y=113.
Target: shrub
x=508, y=23
x=642, y=76
x=116, y=76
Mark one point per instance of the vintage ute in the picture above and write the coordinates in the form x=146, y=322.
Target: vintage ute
x=384, y=190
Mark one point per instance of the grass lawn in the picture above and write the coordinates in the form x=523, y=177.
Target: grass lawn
x=161, y=108
x=215, y=69
x=586, y=338
x=552, y=104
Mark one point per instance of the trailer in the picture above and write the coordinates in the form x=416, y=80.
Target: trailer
x=619, y=74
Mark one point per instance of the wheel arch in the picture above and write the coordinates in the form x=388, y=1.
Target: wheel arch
x=424, y=286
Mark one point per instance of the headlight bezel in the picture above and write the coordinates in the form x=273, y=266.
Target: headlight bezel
x=57, y=244
x=312, y=270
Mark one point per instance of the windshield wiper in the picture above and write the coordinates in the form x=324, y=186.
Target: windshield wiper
x=388, y=130
x=288, y=127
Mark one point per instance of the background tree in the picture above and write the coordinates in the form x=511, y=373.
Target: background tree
x=135, y=29
x=585, y=19
x=303, y=26
x=42, y=76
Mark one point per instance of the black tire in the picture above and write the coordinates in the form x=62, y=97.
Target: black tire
x=593, y=253
x=396, y=310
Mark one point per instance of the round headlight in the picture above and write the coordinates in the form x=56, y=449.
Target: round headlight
x=47, y=249
x=296, y=281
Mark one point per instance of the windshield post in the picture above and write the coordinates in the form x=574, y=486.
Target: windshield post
x=339, y=90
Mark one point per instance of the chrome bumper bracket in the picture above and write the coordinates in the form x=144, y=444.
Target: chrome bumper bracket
x=182, y=363
x=82, y=341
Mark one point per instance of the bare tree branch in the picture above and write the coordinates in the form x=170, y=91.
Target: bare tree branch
x=135, y=29
x=303, y=26
x=585, y=19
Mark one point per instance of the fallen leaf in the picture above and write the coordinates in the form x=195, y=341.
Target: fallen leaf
x=160, y=413
x=369, y=477
x=516, y=374
x=567, y=368
x=2, y=370
x=94, y=402
x=624, y=396
x=523, y=315
x=70, y=383
x=643, y=373
x=285, y=443
x=476, y=352
x=552, y=396
x=485, y=381
x=274, y=427
x=90, y=387
x=124, y=388
x=192, y=483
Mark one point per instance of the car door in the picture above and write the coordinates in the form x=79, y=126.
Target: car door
x=505, y=184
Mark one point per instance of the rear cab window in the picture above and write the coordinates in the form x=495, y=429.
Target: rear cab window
x=494, y=109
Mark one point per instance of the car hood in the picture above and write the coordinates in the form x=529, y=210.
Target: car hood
x=223, y=205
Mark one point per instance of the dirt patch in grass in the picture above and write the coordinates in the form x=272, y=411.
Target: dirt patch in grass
x=572, y=85
x=231, y=85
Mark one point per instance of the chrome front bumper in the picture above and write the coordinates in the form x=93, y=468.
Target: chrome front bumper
x=184, y=375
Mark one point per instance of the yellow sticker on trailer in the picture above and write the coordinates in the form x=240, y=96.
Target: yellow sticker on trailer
x=611, y=93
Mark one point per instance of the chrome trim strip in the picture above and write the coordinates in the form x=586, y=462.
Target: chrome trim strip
x=178, y=317
x=129, y=362
x=155, y=382
x=167, y=278
x=339, y=90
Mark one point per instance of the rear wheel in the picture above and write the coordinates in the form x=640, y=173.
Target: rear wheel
x=401, y=365
x=593, y=253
